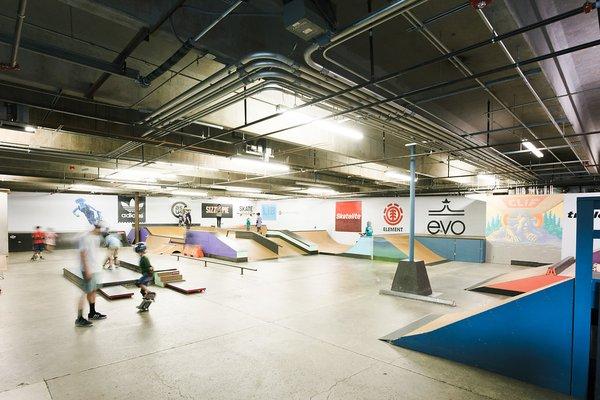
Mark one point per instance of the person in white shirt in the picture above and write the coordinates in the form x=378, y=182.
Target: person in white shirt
x=258, y=222
x=113, y=244
x=91, y=257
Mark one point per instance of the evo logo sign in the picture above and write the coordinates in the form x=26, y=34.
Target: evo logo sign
x=446, y=220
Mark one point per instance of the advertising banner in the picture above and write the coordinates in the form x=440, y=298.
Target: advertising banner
x=209, y=210
x=348, y=216
x=126, y=209
x=268, y=212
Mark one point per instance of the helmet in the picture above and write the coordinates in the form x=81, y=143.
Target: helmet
x=140, y=247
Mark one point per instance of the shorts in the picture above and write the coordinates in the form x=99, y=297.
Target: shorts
x=144, y=280
x=92, y=284
x=39, y=247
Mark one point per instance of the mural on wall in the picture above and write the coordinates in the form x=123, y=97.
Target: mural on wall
x=446, y=220
x=525, y=219
x=393, y=215
x=92, y=215
x=348, y=216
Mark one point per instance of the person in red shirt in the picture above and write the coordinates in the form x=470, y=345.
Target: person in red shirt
x=39, y=239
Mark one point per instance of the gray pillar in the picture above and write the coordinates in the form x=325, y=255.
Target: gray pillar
x=136, y=221
x=411, y=237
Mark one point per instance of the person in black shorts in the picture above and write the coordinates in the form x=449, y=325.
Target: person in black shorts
x=146, y=268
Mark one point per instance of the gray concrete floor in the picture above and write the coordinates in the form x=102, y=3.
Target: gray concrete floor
x=299, y=328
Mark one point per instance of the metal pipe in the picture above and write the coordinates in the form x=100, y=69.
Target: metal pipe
x=411, y=237
x=537, y=97
x=17, y=37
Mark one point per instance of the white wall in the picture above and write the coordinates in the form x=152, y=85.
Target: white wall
x=569, y=225
x=308, y=214
x=3, y=223
x=27, y=210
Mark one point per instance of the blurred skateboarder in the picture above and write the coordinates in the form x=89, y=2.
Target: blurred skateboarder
x=39, y=239
x=90, y=256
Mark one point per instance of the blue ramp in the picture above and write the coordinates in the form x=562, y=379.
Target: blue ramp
x=527, y=337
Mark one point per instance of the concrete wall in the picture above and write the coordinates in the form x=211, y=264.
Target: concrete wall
x=3, y=223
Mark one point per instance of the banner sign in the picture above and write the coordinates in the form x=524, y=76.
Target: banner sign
x=446, y=220
x=209, y=210
x=177, y=208
x=348, y=216
x=268, y=212
x=126, y=208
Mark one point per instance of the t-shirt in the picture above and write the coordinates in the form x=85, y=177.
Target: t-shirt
x=38, y=237
x=259, y=221
x=90, y=243
x=145, y=265
x=112, y=242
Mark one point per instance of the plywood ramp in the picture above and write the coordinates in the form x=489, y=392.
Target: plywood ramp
x=421, y=252
x=325, y=242
x=162, y=245
x=286, y=249
x=170, y=231
x=255, y=250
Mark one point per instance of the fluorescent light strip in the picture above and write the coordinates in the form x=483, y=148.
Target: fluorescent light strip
x=297, y=118
x=238, y=189
x=398, y=176
x=531, y=147
x=189, y=193
x=319, y=191
x=258, y=165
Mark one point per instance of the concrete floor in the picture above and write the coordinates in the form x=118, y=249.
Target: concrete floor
x=299, y=328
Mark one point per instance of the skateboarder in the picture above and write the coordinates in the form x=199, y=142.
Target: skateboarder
x=187, y=218
x=248, y=223
x=113, y=243
x=39, y=239
x=91, y=258
x=147, y=273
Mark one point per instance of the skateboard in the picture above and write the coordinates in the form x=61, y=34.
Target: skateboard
x=146, y=301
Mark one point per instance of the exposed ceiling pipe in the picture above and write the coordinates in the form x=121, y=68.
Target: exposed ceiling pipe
x=185, y=48
x=13, y=65
x=537, y=97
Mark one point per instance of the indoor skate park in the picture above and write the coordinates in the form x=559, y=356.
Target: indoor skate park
x=299, y=199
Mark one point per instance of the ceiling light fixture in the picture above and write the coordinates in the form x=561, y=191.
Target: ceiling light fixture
x=398, y=176
x=238, y=189
x=29, y=129
x=297, y=118
x=531, y=147
x=258, y=165
x=189, y=193
x=208, y=124
x=320, y=191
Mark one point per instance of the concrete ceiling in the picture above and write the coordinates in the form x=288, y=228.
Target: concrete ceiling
x=67, y=45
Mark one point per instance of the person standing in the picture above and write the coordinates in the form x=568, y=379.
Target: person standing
x=187, y=218
x=219, y=213
x=50, y=240
x=91, y=266
x=248, y=224
x=258, y=222
x=39, y=238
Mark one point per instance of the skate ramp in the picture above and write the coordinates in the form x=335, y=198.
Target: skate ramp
x=164, y=245
x=254, y=250
x=526, y=280
x=167, y=230
x=286, y=249
x=527, y=337
x=400, y=242
x=324, y=242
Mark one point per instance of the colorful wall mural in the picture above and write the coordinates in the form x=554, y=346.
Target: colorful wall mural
x=525, y=219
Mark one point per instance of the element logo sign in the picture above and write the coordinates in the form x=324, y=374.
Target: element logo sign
x=177, y=208
x=392, y=214
x=126, y=209
x=456, y=227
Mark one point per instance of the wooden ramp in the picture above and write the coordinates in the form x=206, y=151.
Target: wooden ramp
x=185, y=287
x=286, y=249
x=255, y=250
x=115, y=292
x=164, y=245
x=325, y=242
x=421, y=252
x=168, y=231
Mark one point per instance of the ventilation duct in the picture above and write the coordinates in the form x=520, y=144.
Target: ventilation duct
x=302, y=19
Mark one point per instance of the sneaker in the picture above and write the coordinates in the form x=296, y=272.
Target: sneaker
x=96, y=316
x=82, y=322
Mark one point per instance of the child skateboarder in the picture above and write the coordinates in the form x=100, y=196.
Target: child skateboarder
x=146, y=278
x=39, y=238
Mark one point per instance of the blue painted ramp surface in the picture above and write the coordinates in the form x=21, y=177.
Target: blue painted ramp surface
x=362, y=248
x=527, y=337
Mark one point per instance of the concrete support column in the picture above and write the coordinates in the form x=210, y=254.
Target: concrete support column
x=136, y=221
x=411, y=237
